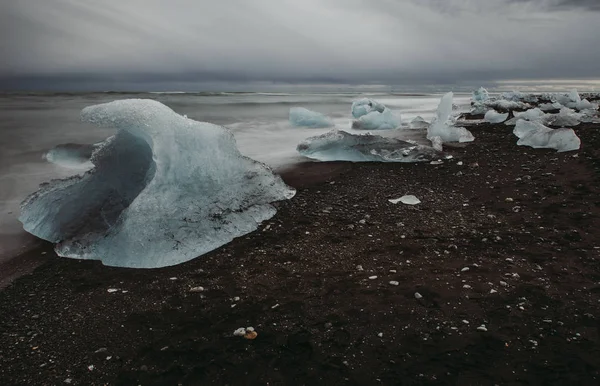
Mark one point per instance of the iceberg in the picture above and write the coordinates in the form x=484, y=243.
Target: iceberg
x=376, y=120
x=343, y=146
x=164, y=190
x=442, y=125
x=536, y=135
x=301, y=117
x=492, y=116
x=72, y=155
x=364, y=106
x=419, y=123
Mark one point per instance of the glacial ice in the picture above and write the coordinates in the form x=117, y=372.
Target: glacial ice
x=536, y=135
x=301, y=117
x=72, y=155
x=419, y=123
x=492, y=116
x=550, y=106
x=534, y=114
x=505, y=105
x=566, y=117
x=480, y=96
x=364, y=106
x=376, y=120
x=517, y=96
x=442, y=126
x=165, y=189
x=343, y=146
x=573, y=100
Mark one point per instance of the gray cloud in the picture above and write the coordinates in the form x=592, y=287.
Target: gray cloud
x=112, y=44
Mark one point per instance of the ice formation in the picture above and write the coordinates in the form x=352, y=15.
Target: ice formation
x=342, y=146
x=517, y=96
x=566, y=117
x=480, y=96
x=163, y=190
x=376, y=120
x=72, y=155
x=492, y=116
x=529, y=115
x=550, y=106
x=419, y=123
x=443, y=128
x=364, y=106
x=299, y=116
x=536, y=135
x=505, y=105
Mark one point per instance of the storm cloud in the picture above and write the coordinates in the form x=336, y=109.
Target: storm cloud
x=138, y=42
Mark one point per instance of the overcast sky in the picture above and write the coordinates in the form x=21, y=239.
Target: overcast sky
x=102, y=42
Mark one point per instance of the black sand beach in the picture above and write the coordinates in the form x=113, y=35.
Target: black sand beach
x=503, y=253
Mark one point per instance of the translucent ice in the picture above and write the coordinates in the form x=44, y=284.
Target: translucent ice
x=480, y=96
x=442, y=126
x=364, y=106
x=536, y=135
x=419, y=123
x=375, y=120
x=72, y=155
x=492, y=116
x=163, y=190
x=517, y=96
x=566, y=117
x=550, y=106
x=505, y=105
x=299, y=116
x=342, y=146
x=530, y=115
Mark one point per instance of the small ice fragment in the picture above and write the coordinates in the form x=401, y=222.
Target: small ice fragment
x=418, y=295
x=465, y=321
x=239, y=332
x=111, y=290
x=197, y=289
x=91, y=367
x=465, y=269
x=407, y=200
x=393, y=282
x=492, y=116
x=372, y=277
x=380, y=335
x=482, y=328
x=493, y=291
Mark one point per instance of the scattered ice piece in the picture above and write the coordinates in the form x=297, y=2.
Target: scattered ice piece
x=239, y=332
x=275, y=306
x=550, y=106
x=172, y=278
x=339, y=145
x=536, y=135
x=419, y=123
x=393, y=282
x=466, y=286
x=407, y=200
x=197, y=289
x=441, y=127
x=418, y=296
x=465, y=321
x=482, y=328
x=359, y=268
x=492, y=116
x=480, y=95
x=364, y=106
x=493, y=291
x=465, y=269
x=91, y=367
x=301, y=117
x=372, y=277
x=163, y=191
x=438, y=162
x=376, y=120
x=111, y=290
x=504, y=284
x=459, y=163
x=380, y=335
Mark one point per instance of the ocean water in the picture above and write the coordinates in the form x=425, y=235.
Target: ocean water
x=32, y=124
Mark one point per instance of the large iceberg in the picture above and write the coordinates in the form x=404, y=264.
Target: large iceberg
x=299, y=116
x=443, y=127
x=492, y=116
x=536, y=135
x=364, y=106
x=163, y=190
x=343, y=146
x=376, y=120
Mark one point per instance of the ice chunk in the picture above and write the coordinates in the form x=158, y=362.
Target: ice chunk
x=163, y=190
x=342, y=146
x=299, y=116
x=504, y=105
x=480, y=96
x=442, y=128
x=375, y=120
x=406, y=200
x=566, y=117
x=419, y=123
x=72, y=155
x=364, y=106
x=517, y=96
x=573, y=100
x=536, y=135
x=492, y=116
x=550, y=106
x=529, y=115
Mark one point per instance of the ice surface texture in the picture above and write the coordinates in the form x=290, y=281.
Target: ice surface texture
x=492, y=116
x=443, y=128
x=375, y=120
x=301, y=117
x=163, y=190
x=536, y=135
x=72, y=155
x=364, y=106
x=342, y=146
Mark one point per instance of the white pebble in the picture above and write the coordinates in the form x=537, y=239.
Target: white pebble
x=418, y=295
x=394, y=282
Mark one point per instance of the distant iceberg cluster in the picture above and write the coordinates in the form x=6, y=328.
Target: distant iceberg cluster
x=533, y=113
x=163, y=190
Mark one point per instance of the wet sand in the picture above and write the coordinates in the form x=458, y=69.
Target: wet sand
x=503, y=253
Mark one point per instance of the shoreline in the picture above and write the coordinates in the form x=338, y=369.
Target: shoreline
x=502, y=253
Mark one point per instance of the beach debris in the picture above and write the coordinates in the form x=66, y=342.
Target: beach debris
x=407, y=200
